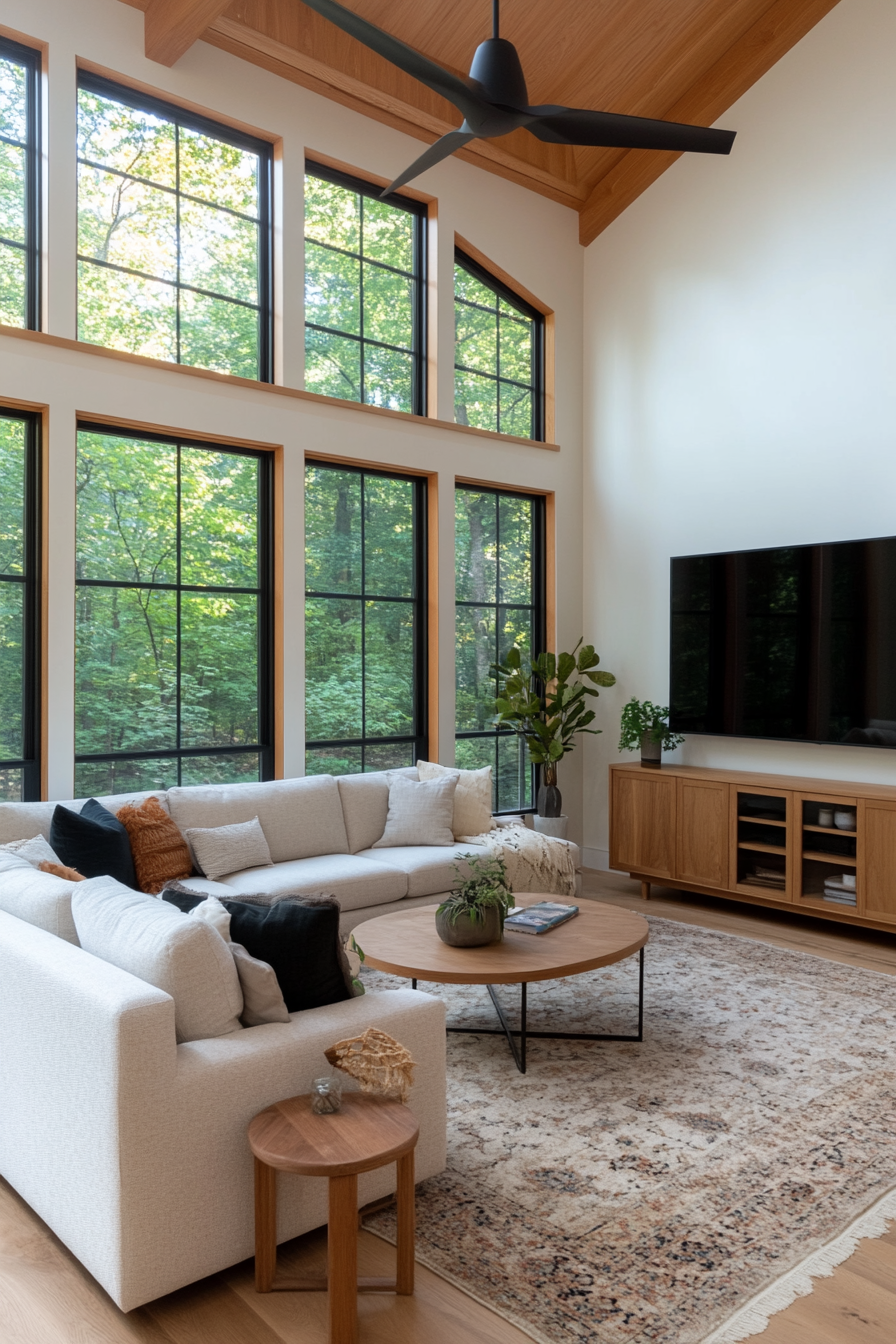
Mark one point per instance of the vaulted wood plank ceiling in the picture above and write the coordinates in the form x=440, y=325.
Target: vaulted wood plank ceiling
x=683, y=60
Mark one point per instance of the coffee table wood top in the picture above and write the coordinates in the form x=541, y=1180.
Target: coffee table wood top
x=367, y=1132
x=406, y=943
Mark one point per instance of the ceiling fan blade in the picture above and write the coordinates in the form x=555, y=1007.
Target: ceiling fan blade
x=412, y=62
x=435, y=154
x=612, y=130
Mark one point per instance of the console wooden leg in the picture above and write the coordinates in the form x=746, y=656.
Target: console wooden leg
x=645, y=891
x=342, y=1260
x=265, y=1226
x=404, y=1273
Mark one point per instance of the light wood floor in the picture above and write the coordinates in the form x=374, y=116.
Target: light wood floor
x=47, y=1298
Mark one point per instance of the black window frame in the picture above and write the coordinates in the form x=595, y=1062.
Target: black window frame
x=193, y=121
x=265, y=748
x=503, y=291
x=419, y=738
x=31, y=760
x=31, y=59
x=421, y=213
x=538, y=607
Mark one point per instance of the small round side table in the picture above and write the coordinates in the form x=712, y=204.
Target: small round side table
x=368, y=1132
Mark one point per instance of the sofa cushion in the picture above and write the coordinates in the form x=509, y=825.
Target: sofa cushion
x=93, y=841
x=365, y=805
x=298, y=936
x=37, y=898
x=429, y=868
x=354, y=882
x=160, y=852
x=419, y=814
x=300, y=817
x=185, y=958
x=27, y=819
x=229, y=849
x=472, y=800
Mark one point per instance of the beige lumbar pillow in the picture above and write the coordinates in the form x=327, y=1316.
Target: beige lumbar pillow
x=221, y=850
x=419, y=813
x=472, y=799
x=262, y=998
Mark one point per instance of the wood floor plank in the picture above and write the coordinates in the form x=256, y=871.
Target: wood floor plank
x=212, y=1311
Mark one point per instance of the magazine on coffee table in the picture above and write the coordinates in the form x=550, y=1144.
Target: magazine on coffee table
x=540, y=918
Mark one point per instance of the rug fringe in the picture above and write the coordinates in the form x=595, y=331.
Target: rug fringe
x=754, y=1317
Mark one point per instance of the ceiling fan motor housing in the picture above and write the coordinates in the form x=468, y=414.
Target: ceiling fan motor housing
x=497, y=70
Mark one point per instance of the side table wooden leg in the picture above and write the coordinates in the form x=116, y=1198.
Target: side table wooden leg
x=404, y=1272
x=342, y=1260
x=645, y=891
x=265, y=1226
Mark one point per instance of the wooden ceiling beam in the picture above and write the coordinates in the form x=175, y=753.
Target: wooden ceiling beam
x=170, y=27
x=783, y=24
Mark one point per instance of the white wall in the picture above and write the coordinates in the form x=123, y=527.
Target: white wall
x=533, y=239
x=740, y=347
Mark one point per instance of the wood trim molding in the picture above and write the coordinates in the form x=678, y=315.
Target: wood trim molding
x=783, y=24
x=170, y=27
x=432, y=615
x=279, y=590
x=175, y=432
x=264, y=389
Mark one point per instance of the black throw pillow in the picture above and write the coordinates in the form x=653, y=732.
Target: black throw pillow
x=93, y=841
x=298, y=936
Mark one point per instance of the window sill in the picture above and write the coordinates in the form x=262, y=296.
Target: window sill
x=267, y=389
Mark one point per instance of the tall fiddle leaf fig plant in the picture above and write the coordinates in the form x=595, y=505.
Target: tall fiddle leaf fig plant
x=545, y=700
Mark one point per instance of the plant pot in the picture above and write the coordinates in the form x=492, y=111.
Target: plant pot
x=549, y=801
x=651, y=752
x=467, y=932
x=553, y=826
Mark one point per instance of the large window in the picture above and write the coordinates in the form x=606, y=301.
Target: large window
x=19, y=185
x=498, y=355
x=19, y=608
x=173, y=663
x=365, y=624
x=364, y=293
x=174, y=223
x=499, y=587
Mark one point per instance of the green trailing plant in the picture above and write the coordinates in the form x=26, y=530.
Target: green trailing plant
x=642, y=718
x=545, y=700
x=486, y=888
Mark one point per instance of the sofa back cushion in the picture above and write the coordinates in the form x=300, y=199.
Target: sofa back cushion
x=37, y=898
x=185, y=958
x=19, y=821
x=301, y=818
x=365, y=805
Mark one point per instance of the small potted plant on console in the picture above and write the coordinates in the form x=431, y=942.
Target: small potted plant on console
x=646, y=725
x=473, y=914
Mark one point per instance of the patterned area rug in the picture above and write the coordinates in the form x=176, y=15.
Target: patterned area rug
x=624, y=1193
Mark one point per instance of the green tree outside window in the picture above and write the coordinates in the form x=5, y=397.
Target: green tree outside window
x=19, y=184
x=19, y=660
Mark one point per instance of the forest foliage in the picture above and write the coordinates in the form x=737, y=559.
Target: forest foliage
x=13, y=185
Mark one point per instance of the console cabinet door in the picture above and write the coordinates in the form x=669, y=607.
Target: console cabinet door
x=703, y=826
x=877, y=860
x=642, y=824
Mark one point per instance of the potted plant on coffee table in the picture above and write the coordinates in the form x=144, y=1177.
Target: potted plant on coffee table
x=646, y=725
x=473, y=914
x=545, y=701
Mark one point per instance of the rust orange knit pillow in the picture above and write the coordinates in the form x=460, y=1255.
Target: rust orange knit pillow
x=61, y=870
x=161, y=854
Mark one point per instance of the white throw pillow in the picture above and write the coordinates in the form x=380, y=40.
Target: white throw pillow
x=221, y=850
x=187, y=958
x=472, y=801
x=419, y=813
x=36, y=850
x=262, y=997
x=214, y=913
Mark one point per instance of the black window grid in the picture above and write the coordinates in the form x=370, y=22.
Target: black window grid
x=417, y=740
x=29, y=763
x=417, y=349
x=264, y=747
x=182, y=119
x=537, y=609
x=30, y=60
x=531, y=317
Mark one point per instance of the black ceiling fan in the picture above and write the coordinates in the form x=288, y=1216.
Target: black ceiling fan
x=494, y=101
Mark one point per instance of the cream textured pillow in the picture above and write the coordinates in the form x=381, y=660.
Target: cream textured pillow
x=221, y=850
x=419, y=813
x=187, y=958
x=36, y=850
x=472, y=801
x=262, y=997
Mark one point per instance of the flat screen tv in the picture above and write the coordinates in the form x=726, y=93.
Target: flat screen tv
x=796, y=642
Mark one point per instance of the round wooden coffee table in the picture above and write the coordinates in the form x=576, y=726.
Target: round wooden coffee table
x=368, y=1132
x=406, y=943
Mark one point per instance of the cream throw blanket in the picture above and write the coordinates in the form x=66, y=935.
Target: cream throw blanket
x=534, y=862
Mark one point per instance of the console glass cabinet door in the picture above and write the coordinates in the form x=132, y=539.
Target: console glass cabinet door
x=643, y=825
x=761, y=842
x=702, y=832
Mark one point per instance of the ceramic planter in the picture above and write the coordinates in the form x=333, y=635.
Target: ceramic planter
x=467, y=932
x=651, y=752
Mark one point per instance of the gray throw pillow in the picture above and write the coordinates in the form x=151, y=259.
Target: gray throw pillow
x=221, y=850
x=262, y=999
x=420, y=813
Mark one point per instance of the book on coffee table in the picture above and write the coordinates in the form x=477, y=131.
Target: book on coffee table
x=540, y=918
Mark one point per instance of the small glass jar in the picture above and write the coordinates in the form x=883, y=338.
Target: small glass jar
x=326, y=1095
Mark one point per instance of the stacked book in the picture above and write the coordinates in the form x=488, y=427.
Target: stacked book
x=540, y=918
x=837, y=890
x=766, y=877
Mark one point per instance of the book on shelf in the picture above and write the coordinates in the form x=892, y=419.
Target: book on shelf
x=836, y=890
x=766, y=877
x=540, y=918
